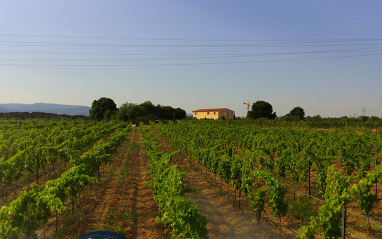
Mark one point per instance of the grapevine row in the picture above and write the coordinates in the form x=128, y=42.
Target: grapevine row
x=272, y=154
x=176, y=212
x=45, y=149
x=36, y=206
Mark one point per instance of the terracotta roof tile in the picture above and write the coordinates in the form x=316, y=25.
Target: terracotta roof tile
x=209, y=110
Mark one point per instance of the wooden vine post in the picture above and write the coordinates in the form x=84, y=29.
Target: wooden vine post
x=343, y=222
x=376, y=183
x=309, y=192
x=240, y=187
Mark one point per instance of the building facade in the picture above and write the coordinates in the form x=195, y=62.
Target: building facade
x=217, y=113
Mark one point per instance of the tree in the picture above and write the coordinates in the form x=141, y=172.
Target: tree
x=100, y=107
x=180, y=113
x=122, y=112
x=297, y=111
x=148, y=108
x=261, y=109
x=165, y=112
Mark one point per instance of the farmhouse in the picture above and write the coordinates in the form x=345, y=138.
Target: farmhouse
x=217, y=113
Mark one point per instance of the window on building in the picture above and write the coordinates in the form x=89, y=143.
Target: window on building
x=214, y=113
x=196, y=113
x=208, y=113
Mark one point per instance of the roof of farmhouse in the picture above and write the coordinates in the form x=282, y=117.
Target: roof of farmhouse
x=209, y=110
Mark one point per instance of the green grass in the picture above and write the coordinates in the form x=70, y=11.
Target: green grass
x=134, y=149
x=115, y=218
x=301, y=208
x=74, y=220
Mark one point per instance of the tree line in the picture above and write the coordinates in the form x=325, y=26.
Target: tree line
x=263, y=109
x=106, y=109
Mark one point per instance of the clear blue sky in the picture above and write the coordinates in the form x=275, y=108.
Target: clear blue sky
x=324, y=56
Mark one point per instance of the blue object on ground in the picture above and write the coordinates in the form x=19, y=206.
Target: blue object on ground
x=102, y=235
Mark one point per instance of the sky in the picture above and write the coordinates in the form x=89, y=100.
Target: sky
x=323, y=56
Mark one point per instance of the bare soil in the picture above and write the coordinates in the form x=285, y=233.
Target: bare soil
x=119, y=201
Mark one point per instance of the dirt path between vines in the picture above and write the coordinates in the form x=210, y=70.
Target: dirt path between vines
x=141, y=199
x=224, y=220
x=119, y=202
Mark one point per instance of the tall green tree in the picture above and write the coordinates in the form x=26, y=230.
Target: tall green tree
x=261, y=109
x=148, y=108
x=180, y=113
x=126, y=112
x=103, y=108
x=297, y=111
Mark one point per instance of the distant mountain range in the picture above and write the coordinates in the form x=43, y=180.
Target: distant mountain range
x=46, y=108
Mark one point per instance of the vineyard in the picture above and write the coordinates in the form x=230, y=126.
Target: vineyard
x=61, y=179
x=29, y=147
x=313, y=182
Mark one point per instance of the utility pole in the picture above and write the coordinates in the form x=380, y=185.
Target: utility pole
x=363, y=111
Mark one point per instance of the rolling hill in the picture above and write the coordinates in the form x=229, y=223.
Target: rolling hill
x=46, y=108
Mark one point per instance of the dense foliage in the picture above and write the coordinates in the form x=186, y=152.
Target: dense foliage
x=102, y=109
x=176, y=212
x=275, y=154
x=34, y=207
x=147, y=112
x=297, y=112
x=261, y=109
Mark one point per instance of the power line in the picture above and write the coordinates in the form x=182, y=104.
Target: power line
x=190, y=39
x=374, y=49
x=233, y=43
x=343, y=48
x=189, y=64
x=257, y=45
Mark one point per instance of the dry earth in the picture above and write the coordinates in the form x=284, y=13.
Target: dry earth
x=119, y=201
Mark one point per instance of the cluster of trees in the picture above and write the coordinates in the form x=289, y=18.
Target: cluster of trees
x=106, y=109
x=262, y=109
